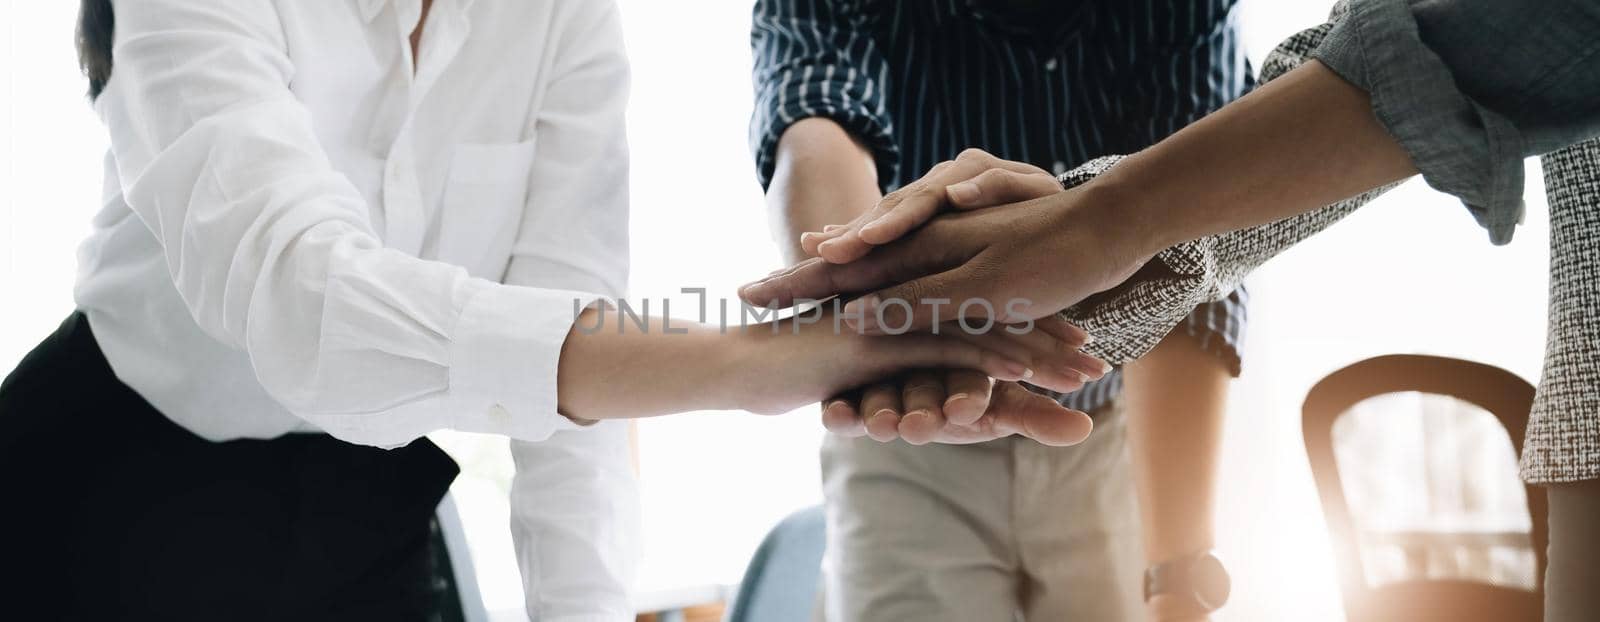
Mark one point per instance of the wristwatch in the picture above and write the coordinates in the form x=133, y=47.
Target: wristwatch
x=1198, y=579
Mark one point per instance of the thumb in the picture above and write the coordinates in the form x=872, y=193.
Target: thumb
x=1020, y=411
x=999, y=186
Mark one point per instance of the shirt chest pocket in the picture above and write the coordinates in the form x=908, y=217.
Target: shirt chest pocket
x=482, y=205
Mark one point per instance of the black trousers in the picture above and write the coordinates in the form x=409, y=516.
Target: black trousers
x=112, y=512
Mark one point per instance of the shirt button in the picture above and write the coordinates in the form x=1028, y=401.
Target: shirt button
x=1050, y=64
x=1059, y=167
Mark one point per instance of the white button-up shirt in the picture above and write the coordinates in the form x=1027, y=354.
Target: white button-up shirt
x=303, y=232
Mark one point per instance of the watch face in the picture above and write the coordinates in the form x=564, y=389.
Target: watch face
x=1210, y=581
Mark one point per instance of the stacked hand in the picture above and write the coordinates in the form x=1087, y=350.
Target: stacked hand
x=1009, y=260
x=1036, y=245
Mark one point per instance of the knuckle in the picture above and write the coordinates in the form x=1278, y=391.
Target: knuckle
x=889, y=201
x=911, y=293
x=973, y=154
x=998, y=179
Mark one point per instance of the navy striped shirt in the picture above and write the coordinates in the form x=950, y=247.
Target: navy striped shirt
x=919, y=80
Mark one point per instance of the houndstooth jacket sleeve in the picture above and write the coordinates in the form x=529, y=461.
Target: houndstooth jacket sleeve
x=1135, y=317
x=1563, y=435
x=1563, y=438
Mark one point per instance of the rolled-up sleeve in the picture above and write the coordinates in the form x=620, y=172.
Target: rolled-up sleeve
x=1218, y=327
x=1471, y=87
x=273, y=251
x=1130, y=320
x=815, y=58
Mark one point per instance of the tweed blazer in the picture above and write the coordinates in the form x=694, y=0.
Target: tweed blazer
x=1563, y=436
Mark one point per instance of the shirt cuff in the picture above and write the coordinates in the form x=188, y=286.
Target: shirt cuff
x=872, y=131
x=505, y=354
x=1131, y=319
x=1218, y=328
x=1459, y=146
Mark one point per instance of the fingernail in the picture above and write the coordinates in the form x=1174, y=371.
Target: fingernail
x=923, y=415
x=964, y=192
x=862, y=312
x=954, y=398
x=1082, y=377
x=1088, y=339
x=832, y=228
x=871, y=227
x=1027, y=373
x=1105, y=367
x=1013, y=369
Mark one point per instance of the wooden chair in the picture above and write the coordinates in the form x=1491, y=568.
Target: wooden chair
x=1501, y=393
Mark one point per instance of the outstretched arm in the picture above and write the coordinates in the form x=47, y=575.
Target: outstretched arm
x=615, y=366
x=1312, y=137
x=1278, y=159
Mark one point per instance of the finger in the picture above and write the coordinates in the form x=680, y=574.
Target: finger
x=928, y=252
x=998, y=186
x=923, y=198
x=1017, y=410
x=1066, y=331
x=809, y=241
x=840, y=415
x=800, y=280
x=968, y=395
x=1043, y=361
x=1051, y=353
x=898, y=353
x=852, y=247
x=881, y=405
x=922, y=396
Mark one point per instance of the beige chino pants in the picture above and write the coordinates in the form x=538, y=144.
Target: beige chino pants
x=998, y=531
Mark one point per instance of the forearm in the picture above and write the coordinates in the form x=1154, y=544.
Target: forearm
x=1176, y=401
x=1298, y=143
x=823, y=176
x=611, y=367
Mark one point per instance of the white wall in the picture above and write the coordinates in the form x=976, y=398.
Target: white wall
x=1409, y=274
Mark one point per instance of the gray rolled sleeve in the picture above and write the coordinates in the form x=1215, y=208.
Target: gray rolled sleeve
x=1471, y=87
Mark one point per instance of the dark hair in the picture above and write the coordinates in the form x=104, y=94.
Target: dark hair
x=95, y=27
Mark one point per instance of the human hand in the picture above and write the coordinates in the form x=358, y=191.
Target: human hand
x=975, y=179
x=783, y=365
x=1167, y=608
x=954, y=407
x=1009, y=263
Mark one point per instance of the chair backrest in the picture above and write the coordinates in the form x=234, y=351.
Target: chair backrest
x=1501, y=393
x=780, y=584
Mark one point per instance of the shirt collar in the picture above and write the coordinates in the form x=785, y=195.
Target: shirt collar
x=371, y=8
